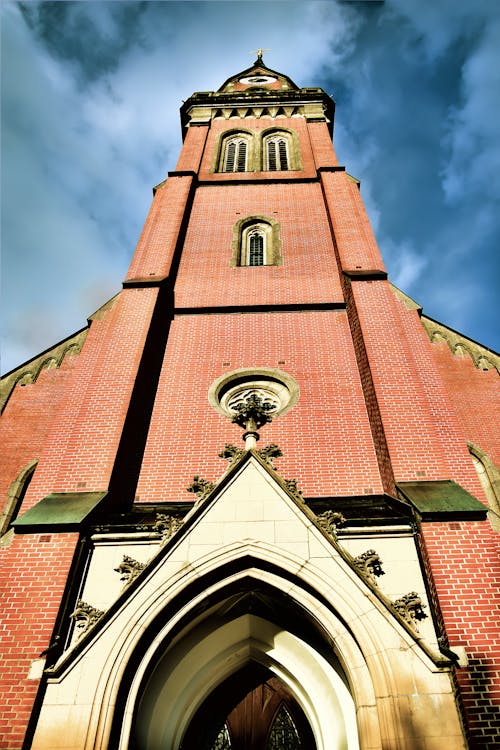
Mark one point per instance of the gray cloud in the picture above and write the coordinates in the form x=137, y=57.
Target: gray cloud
x=90, y=123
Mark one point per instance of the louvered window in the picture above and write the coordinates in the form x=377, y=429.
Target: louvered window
x=235, y=156
x=277, y=154
x=256, y=249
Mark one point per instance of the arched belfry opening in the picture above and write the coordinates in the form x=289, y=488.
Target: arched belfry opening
x=249, y=668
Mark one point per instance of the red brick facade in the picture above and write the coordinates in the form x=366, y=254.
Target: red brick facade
x=379, y=404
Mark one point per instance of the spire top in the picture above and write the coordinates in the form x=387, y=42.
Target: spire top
x=259, y=53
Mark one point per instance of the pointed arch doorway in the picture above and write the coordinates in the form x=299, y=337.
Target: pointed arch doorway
x=251, y=710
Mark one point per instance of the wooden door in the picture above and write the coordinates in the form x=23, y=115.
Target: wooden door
x=252, y=710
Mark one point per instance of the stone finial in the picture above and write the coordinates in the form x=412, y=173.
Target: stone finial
x=85, y=616
x=370, y=564
x=330, y=520
x=252, y=414
x=129, y=569
x=167, y=525
x=411, y=608
x=200, y=486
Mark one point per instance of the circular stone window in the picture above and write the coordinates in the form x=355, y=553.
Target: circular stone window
x=274, y=387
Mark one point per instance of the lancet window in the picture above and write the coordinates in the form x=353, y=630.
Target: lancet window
x=277, y=153
x=235, y=155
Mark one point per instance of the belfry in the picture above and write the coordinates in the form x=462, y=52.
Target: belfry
x=254, y=503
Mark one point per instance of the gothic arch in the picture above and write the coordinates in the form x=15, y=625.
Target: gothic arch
x=221, y=150
x=268, y=229
x=290, y=137
x=186, y=625
x=213, y=644
x=15, y=495
x=489, y=476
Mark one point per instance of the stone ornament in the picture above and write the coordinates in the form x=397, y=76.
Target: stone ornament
x=167, y=525
x=231, y=453
x=129, y=569
x=370, y=564
x=291, y=485
x=270, y=452
x=330, y=520
x=411, y=608
x=201, y=487
x=85, y=616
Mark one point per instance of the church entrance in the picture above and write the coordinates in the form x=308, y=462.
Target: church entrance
x=251, y=710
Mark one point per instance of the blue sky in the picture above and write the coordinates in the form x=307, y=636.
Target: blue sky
x=90, y=101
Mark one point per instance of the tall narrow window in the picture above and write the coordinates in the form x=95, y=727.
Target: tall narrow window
x=277, y=154
x=255, y=250
x=235, y=155
x=283, y=734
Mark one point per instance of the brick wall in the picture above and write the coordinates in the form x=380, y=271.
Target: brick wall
x=466, y=572
x=308, y=273
x=325, y=437
x=27, y=421
x=33, y=578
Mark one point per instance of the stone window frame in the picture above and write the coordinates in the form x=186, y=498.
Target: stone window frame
x=240, y=242
x=291, y=138
x=15, y=496
x=256, y=157
x=224, y=140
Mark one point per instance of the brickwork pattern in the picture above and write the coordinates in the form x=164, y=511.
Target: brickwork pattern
x=475, y=395
x=308, y=273
x=81, y=449
x=27, y=421
x=155, y=249
x=466, y=572
x=192, y=149
x=33, y=578
x=325, y=437
x=321, y=144
x=354, y=236
x=422, y=433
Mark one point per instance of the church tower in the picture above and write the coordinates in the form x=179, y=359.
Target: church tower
x=246, y=506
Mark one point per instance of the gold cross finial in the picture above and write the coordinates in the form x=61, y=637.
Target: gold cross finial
x=259, y=52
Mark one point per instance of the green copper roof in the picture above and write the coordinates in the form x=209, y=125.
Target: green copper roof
x=59, y=511
x=442, y=499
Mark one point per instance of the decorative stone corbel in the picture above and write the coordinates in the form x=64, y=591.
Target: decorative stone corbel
x=167, y=525
x=200, y=487
x=411, y=608
x=370, y=564
x=129, y=569
x=330, y=520
x=85, y=616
